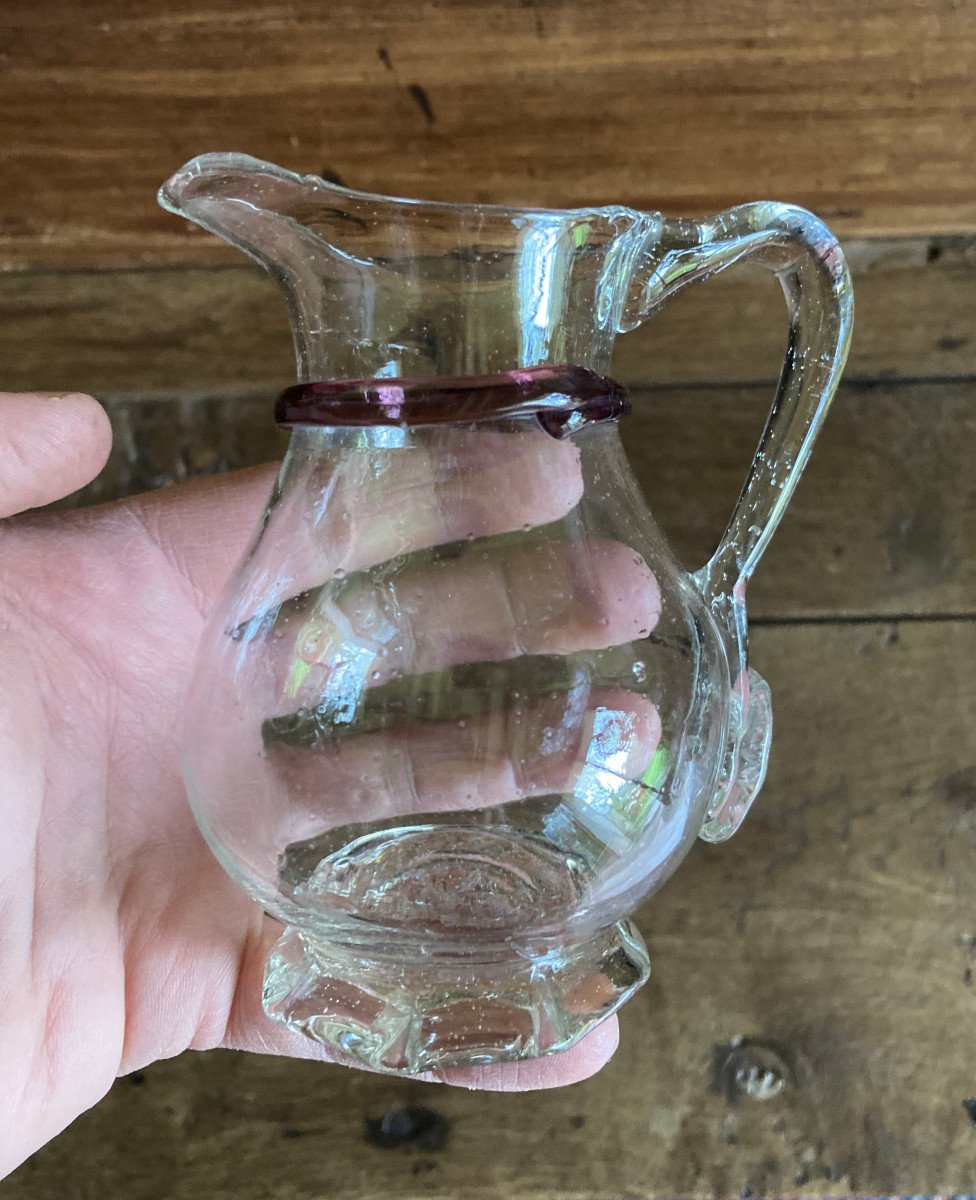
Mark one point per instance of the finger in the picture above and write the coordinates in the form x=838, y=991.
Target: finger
x=579, y=1062
x=534, y=598
x=49, y=447
x=605, y=738
x=348, y=511
x=251, y=1029
x=486, y=605
x=358, y=508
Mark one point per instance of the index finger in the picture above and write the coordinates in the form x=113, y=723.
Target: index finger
x=344, y=509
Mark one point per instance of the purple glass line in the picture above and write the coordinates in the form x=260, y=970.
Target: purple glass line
x=562, y=399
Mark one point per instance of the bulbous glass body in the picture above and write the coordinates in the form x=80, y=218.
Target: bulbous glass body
x=460, y=710
x=458, y=692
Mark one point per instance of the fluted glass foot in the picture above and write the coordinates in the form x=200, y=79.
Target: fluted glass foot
x=405, y=1014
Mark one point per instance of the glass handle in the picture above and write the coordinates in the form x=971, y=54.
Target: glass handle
x=806, y=258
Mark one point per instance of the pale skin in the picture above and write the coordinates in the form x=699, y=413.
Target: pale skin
x=121, y=940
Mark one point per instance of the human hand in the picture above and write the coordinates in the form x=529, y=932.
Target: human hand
x=122, y=941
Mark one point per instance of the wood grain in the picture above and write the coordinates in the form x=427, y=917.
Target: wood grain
x=836, y=930
x=866, y=115
x=186, y=330
x=884, y=522
x=835, y=933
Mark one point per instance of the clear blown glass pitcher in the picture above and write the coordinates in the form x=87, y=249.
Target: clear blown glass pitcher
x=460, y=711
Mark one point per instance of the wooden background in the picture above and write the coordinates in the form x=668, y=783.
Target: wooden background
x=837, y=932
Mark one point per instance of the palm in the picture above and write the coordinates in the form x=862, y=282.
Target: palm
x=123, y=941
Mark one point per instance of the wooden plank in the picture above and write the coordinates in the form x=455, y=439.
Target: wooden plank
x=865, y=115
x=883, y=523
x=836, y=930
x=196, y=329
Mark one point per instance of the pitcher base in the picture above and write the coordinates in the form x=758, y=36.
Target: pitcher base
x=406, y=1016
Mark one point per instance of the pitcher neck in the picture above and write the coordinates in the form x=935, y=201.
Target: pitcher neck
x=383, y=287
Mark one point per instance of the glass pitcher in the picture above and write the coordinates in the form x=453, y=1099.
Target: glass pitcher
x=460, y=711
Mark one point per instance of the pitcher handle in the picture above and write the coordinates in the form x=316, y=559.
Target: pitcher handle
x=806, y=258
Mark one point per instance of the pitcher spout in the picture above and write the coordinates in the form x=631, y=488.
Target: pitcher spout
x=251, y=203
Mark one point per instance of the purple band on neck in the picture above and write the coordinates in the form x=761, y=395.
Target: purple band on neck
x=562, y=399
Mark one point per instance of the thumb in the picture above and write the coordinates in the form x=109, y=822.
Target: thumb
x=50, y=446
